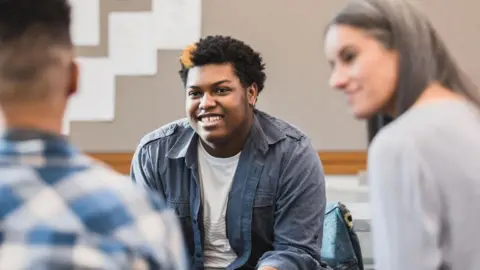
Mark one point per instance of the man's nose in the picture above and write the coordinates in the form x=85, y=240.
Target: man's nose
x=207, y=101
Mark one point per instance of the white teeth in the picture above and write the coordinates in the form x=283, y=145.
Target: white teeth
x=211, y=119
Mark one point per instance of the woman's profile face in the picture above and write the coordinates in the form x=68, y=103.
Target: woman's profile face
x=362, y=68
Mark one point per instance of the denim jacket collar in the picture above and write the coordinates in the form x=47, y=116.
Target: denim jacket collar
x=185, y=147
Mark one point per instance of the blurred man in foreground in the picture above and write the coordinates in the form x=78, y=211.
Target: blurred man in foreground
x=58, y=208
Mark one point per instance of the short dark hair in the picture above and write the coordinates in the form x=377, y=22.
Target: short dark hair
x=29, y=29
x=248, y=65
x=49, y=17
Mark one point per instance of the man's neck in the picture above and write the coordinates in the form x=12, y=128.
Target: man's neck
x=32, y=118
x=232, y=145
x=224, y=149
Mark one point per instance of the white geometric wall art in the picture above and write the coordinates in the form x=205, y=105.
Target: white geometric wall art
x=85, y=22
x=96, y=91
x=95, y=98
x=66, y=125
x=134, y=38
x=132, y=43
x=177, y=23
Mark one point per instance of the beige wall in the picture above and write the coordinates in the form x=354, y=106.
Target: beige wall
x=290, y=39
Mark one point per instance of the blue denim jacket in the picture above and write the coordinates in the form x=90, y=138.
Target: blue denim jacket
x=276, y=204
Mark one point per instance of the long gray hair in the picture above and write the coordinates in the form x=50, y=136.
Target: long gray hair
x=423, y=56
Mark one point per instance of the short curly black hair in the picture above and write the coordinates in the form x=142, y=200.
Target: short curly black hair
x=248, y=64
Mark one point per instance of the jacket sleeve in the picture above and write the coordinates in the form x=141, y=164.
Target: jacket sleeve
x=143, y=170
x=299, y=212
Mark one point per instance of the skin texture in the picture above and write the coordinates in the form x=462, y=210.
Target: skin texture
x=362, y=68
x=215, y=90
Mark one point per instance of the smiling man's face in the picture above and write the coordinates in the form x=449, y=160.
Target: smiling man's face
x=216, y=102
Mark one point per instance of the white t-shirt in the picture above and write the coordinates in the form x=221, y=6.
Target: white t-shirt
x=216, y=177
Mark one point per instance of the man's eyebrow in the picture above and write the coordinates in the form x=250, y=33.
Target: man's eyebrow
x=213, y=84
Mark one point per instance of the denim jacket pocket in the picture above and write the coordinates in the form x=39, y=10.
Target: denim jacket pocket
x=182, y=210
x=263, y=200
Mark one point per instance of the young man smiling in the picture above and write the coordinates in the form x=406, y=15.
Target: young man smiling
x=248, y=188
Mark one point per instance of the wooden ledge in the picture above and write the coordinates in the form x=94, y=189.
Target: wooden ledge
x=348, y=163
x=334, y=163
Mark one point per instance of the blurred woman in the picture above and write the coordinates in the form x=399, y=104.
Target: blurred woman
x=424, y=166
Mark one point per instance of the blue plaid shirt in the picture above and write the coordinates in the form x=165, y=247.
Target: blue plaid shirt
x=61, y=210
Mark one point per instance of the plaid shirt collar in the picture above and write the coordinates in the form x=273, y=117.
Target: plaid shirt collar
x=38, y=147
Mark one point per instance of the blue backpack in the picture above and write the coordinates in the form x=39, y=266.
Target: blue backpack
x=340, y=247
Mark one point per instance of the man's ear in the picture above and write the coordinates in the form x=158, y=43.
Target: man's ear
x=252, y=94
x=74, y=73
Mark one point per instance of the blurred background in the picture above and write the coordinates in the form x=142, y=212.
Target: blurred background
x=128, y=51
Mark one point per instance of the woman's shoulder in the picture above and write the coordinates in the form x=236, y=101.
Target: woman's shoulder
x=390, y=141
x=424, y=129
